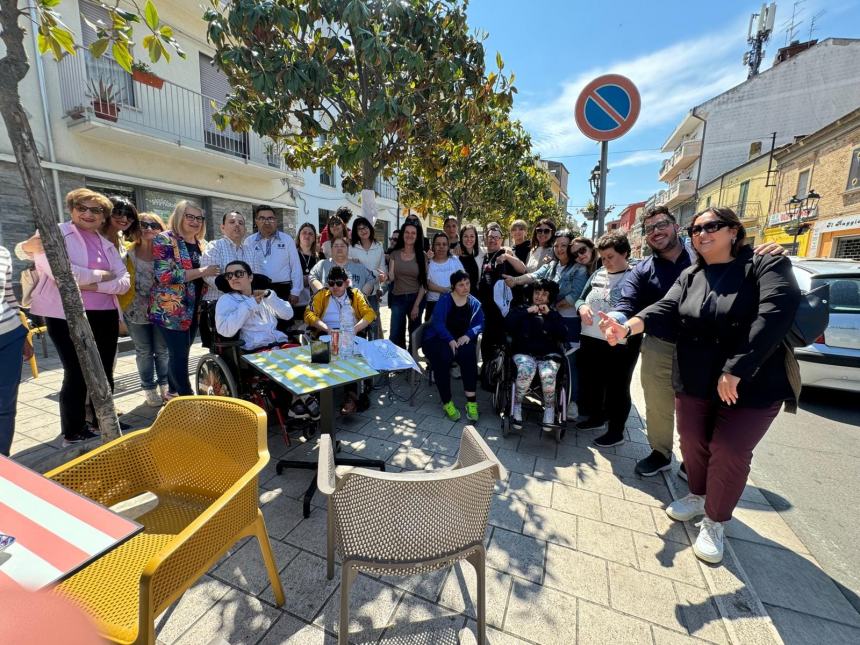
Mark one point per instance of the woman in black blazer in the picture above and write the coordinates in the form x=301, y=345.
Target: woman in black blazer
x=732, y=311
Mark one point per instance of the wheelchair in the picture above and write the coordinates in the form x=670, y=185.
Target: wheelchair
x=505, y=377
x=221, y=372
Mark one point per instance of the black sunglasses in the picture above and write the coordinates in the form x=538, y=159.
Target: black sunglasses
x=126, y=215
x=656, y=226
x=336, y=283
x=152, y=226
x=582, y=250
x=238, y=273
x=708, y=227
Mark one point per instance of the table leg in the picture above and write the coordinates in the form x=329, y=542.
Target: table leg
x=326, y=427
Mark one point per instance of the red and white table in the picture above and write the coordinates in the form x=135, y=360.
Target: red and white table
x=57, y=531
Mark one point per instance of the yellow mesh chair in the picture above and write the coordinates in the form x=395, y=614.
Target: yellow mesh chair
x=201, y=458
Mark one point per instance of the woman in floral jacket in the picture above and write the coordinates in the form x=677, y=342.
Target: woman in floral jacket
x=178, y=288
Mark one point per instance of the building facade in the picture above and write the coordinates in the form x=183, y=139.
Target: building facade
x=828, y=162
x=747, y=190
x=95, y=125
x=809, y=86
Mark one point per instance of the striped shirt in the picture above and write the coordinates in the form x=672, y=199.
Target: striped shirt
x=9, y=319
x=221, y=252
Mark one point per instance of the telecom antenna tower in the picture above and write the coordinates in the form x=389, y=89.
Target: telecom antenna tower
x=760, y=29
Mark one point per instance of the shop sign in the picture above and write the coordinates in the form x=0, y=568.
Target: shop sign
x=830, y=225
x=777, y=219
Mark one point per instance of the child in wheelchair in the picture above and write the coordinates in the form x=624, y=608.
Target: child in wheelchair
x=250, y=310
x=537, y=333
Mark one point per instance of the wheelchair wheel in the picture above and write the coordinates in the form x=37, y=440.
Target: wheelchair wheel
x=214, y=377
x=499, y=397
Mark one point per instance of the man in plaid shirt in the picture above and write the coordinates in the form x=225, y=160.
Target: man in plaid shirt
x=221, y=252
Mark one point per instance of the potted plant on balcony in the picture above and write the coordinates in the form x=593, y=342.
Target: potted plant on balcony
x=104, y=100
x=141, y=73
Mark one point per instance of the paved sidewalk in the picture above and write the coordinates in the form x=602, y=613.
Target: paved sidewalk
x=579, y=548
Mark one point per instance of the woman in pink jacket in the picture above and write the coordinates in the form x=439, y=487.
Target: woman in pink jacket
x=101, y=275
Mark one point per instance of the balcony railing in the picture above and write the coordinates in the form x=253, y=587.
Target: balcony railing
x=385, y=189
x=683, y=156
x=678, y=190
x=173, y=113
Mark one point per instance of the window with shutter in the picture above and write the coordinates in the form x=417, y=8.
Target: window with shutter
x=214, y=86
x=104, y=68
x=854, y=171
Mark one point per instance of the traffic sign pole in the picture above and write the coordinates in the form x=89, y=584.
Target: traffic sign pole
x=601, y=195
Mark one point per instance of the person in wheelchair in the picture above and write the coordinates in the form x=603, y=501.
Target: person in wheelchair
x=339, y=301
x=537, y=334
x=249, y=308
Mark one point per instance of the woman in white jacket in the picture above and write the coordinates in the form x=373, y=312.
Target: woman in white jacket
x=251, y=313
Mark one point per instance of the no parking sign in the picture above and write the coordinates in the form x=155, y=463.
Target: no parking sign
x=607, y=108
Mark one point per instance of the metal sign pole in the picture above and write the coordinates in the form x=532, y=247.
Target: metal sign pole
x=601, y=196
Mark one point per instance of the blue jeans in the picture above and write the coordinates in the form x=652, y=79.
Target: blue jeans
x=11, y=346
x=179, y=348
x=401, y=306
x=574, y=328
x=150, y=352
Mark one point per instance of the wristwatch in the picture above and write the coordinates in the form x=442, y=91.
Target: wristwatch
x=629, y=330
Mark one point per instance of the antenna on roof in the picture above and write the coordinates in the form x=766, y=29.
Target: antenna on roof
x=812, y=22
x=758, y=33
x=791, y=26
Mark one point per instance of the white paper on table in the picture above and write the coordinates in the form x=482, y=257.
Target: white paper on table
x=384, y=356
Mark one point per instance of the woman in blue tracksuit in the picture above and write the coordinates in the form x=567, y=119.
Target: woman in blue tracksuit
x=451, y=336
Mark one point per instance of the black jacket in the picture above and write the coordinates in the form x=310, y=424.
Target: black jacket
x=534, y=334
x=733, y=321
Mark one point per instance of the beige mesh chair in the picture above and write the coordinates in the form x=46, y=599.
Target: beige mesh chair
x=410, y=522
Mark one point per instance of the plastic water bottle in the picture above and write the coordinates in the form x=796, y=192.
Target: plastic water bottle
x=347, y=331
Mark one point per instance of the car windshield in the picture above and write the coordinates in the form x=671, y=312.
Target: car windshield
x=844, y=294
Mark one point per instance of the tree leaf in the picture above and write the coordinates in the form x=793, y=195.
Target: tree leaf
x=122, y=56
x=150, y=14
x=99, y=47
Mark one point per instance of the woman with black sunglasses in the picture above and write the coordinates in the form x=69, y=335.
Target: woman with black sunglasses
x=151, y=353
x=122, y=227
x=543, y=237
x=732, y=310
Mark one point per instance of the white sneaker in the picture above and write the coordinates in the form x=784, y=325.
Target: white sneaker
x=517, y=415
x=572, y=411
x=709, y=544
x=153, y=398
x=686, y=508
x=549, y=417
x=164, y=390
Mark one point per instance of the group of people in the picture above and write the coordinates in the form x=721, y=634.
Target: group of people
x=708, y=321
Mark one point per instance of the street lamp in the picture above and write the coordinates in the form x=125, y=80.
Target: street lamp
x=797, y=206
x=594, y=181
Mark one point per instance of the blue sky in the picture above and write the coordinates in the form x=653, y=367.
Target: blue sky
x=678, y=53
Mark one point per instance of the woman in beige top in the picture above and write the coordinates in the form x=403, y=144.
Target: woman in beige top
x=408, y=278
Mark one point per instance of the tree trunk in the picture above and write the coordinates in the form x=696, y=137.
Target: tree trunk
x=369, y=209
x=13, y=69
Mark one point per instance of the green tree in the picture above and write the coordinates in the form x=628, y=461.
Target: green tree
x=56, y=38
x=346, y=82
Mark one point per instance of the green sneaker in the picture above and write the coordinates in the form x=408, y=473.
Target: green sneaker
x=471, y=411
x=451, y=411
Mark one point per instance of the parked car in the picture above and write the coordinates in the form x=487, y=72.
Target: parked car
x=833, y=360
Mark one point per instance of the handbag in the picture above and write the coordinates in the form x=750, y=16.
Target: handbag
x=29, y=282
x=811, y=318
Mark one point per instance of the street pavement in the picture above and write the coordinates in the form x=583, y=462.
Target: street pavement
x=579, y=548
x=808, y=467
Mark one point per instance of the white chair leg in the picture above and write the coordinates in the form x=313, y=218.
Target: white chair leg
x=477, y=560
x=347, y=577
x=329, y=547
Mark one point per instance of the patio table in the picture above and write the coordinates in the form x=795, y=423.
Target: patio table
x=293, y=369
x=56, y=531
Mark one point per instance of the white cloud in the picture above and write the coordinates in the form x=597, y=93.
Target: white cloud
x=671, y=81
x=641, y=158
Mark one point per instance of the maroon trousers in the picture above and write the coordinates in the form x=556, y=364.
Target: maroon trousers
x=717, y=443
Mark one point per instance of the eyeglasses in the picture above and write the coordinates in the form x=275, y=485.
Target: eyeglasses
x=656, y=226
x=336, y=283
x=582, y=250
x=266, y=220
x=494, y=236
x=150, y=226
x=708, y=227
x=129, y=217
x=543, y=231
x=194, y=218
x=95, y=210
x=238, y=273
x=393, y=238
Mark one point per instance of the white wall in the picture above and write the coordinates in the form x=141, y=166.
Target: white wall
x=794, y=98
